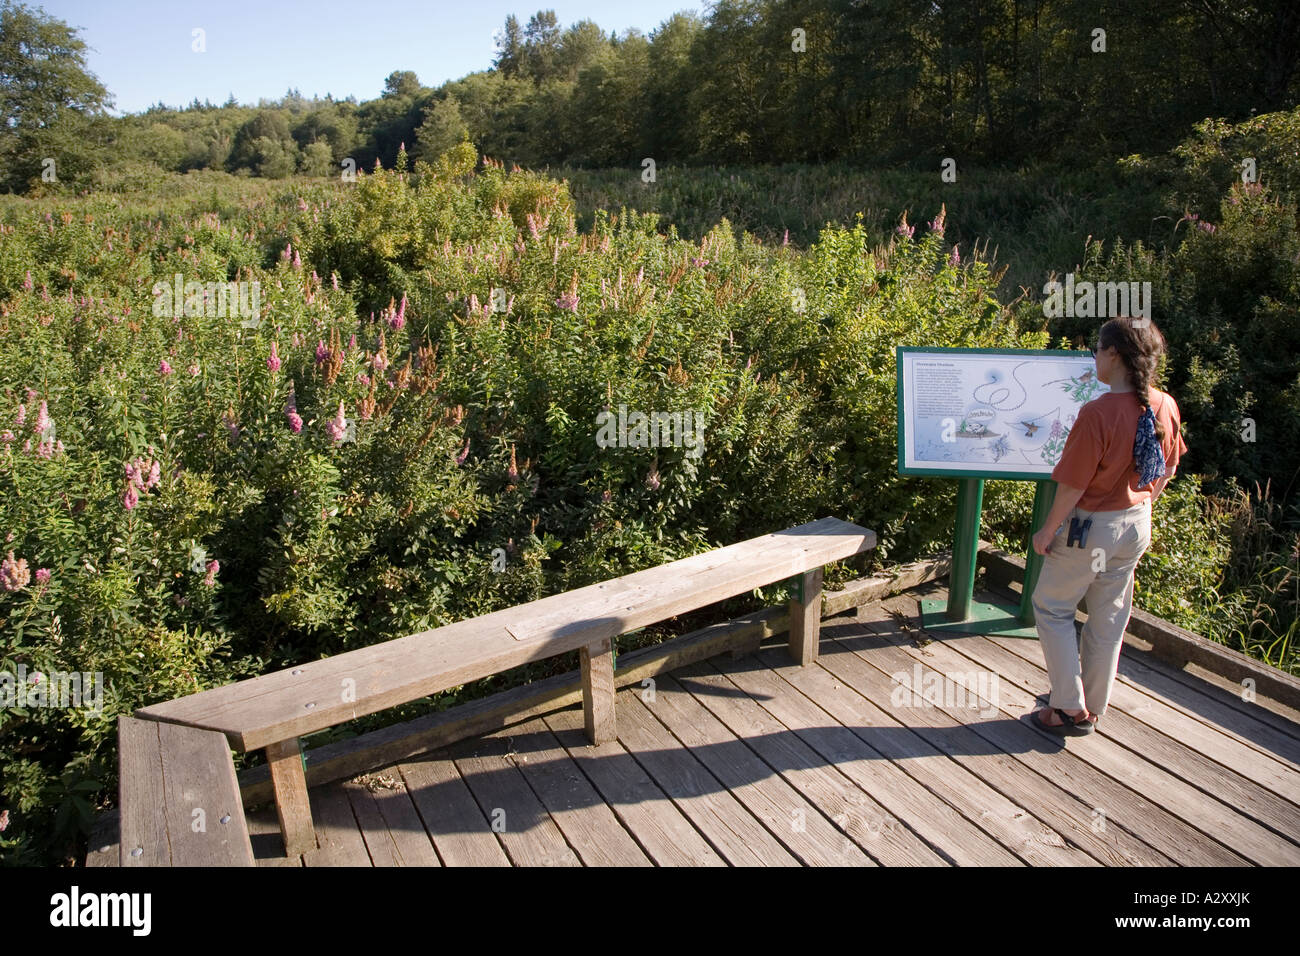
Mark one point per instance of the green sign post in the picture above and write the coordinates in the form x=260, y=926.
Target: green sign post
x=973, y=414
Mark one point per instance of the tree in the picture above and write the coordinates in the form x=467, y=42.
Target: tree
x=510, y=48
x=443, y=128
x=43, y=82
x=248, y=149
x=316, y=159
x=402, y=83
x=542, y=46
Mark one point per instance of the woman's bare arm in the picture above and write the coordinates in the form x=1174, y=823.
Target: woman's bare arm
x=1067, y=496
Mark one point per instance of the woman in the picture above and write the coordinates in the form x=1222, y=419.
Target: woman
x=1121, y=451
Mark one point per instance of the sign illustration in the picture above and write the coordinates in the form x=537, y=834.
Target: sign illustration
x=989, y=413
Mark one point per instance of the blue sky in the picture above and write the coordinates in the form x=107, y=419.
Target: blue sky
x=142, y=50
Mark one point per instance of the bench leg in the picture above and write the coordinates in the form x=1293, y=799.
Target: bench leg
x=806, y=618
x=598, y=691
x=291, y=802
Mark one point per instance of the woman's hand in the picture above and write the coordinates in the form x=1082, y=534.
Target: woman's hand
x=1043, y=540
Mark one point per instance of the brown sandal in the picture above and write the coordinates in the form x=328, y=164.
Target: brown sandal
x=1068, y=727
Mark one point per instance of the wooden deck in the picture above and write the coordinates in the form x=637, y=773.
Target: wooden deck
x=757, y=761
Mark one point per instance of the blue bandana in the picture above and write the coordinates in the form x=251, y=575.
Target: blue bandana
x=1147, y=453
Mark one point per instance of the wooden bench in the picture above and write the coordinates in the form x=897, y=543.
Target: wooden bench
x=273, y=711
x=178, y=798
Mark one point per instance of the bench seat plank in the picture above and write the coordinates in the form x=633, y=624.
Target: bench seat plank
x=300, y=700
x=179, y=798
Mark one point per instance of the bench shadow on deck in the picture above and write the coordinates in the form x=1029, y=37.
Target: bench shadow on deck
x=754, y=760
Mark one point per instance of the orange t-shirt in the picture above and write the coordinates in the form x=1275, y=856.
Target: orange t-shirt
x=1098, y=453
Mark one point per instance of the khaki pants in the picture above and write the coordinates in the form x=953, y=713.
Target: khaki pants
x=1083, y=672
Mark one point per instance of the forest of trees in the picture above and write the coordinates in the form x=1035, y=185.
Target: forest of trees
x=754, y=81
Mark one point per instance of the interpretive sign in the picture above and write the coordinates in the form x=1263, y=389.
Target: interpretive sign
x=989, y=413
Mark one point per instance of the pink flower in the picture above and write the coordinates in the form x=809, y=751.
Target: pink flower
x=43, y=419
x=13, y=573
x=363, y=378
x=231, y=423
x=193, y=369
x=954, y=260
x=937, y=223
x=568, y=301
x=398, y=318
x=334, y=278
x=464, y=453
x=785, y=241
x=652, y=479
x=4, y=814
x=380, y=362
x=214, y=566
x=273, y=360
x=337, y=426
x=295, y=420
x=21, y=418
x=143, y=473
x=45, y=449
x=297, y=262
x=6, y=436
x=130, y=499
x=42, y=576
x=164, y=369
x=322, y=351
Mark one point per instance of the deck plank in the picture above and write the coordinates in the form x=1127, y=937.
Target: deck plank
x=338, y=838
x=379, y=842
x=268, y=843
x=1029, y=768
x=929, y=744
x=409, y=841
x=1196, y=732
x=588, y=824
x=462, y=834
x=1173, y=753
x=792, y=817
x=1250, y=721
x=940, y=799
x=529, y=835
x=1185, y=824
x=882, y=834
x=659, y=827
x=715, y=812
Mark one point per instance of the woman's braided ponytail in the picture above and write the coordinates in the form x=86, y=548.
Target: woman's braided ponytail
x=1139, y=347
